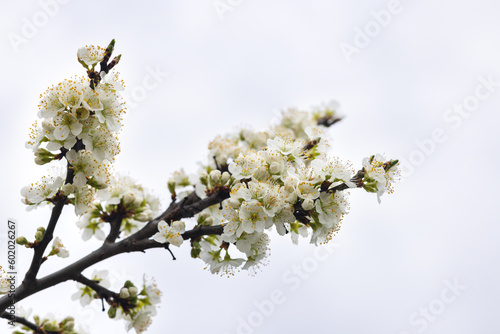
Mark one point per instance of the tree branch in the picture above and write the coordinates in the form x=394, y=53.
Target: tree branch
x=23, y=321
x=40, y=248
x=115, y=224
x=181, y=210
x=101, y=291
x=73, y=271
x=328, y=120
x=60, y=201
x=199, y=230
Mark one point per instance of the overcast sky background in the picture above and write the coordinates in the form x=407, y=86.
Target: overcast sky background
x=391, y=261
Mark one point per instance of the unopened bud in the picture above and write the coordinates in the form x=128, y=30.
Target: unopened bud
x=203, y=178
x=112, y=312
x=48, y=326
x=68, y=189
x=38, y=236
x=215, y=176
x=97, y=183
x=144, y=216
x=111, y=47
x=171, y=186
x=225, y=177
x=39, y=161
x=22, y=241
x=68, y=326
x=132, y=200
x=124, y=294
x=133, y=291
x=42, y=156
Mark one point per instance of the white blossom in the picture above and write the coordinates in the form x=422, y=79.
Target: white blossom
x=91, y=54
x=170, y=233
x=58, y=248
x=4, y=282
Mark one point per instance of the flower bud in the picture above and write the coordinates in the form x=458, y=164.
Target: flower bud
x=21, y=241
x=225, y=177
x=68, y=189
x=132, y=200
x=203, y=178
x=51, y=327
x=128, y=284
x=39, y=161
x=68, y=326
x=112, y=312
x=215, y=176
x=133, y=291
x=144, y=216
x=138, y=201
x=308, y=204
x=171, y=186
x=195, y=252
x=38, y=236
x=42, y=156
x=98, y=183
x=128, y=198
x=124, y=294
x=196, y=249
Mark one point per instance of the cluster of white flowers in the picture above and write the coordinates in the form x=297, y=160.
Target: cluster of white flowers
x=135, y=306
x=49, y=323
x=141, y=305
x=123, y=197
x=4, y=282
x=281, y=178
x=85, y=294
x=379, y=175
x=80, y=123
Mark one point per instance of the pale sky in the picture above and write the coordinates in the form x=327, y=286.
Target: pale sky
x=421, y=84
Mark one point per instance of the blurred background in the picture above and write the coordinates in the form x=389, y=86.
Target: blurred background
x=417, y=80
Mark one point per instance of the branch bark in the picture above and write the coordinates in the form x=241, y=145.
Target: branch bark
x=138, y=242
x=27, y=323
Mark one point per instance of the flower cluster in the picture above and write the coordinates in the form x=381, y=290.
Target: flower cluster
x=123, y=199
x=281, y=179
x=50, y=324
x=80, y=121
x=85, y=294
x=137, y=307
x=4, y=282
